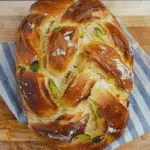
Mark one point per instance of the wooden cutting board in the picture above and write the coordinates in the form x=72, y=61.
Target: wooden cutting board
x=14, y=136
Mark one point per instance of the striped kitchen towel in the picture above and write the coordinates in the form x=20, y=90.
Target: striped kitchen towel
x=139, y=108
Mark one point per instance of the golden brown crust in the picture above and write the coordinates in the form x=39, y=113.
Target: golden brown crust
x=74, y=70
x=62, y=129
x=119, y=118
x=34, y=94
x=108, y=58
x=29, y=38
x=79, y=89
x=84, y=10
x=51, y=7
x=59, y=52
x=120, y=41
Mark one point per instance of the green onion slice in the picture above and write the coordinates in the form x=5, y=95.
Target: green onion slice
x=54, y=89
x=35, y=66
x=58, y=28
x=22, y=70
x=99, y=31
x=83, y=137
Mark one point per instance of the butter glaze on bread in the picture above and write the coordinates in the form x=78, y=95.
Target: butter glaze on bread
x=74, y=70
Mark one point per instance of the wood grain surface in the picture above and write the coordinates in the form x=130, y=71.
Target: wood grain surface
x=14, y=136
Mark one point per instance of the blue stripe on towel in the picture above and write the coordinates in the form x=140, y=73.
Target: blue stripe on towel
x=141, y=89
x=132, y=129
x=108, y=147
x=12, y=96
x=141, y=63
x=138, y=112
x=8, y=56
x=121, y=140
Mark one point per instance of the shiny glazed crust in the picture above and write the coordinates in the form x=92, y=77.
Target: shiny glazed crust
x=74, y=70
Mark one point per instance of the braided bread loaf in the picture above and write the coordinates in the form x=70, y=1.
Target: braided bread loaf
x=74, y=70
